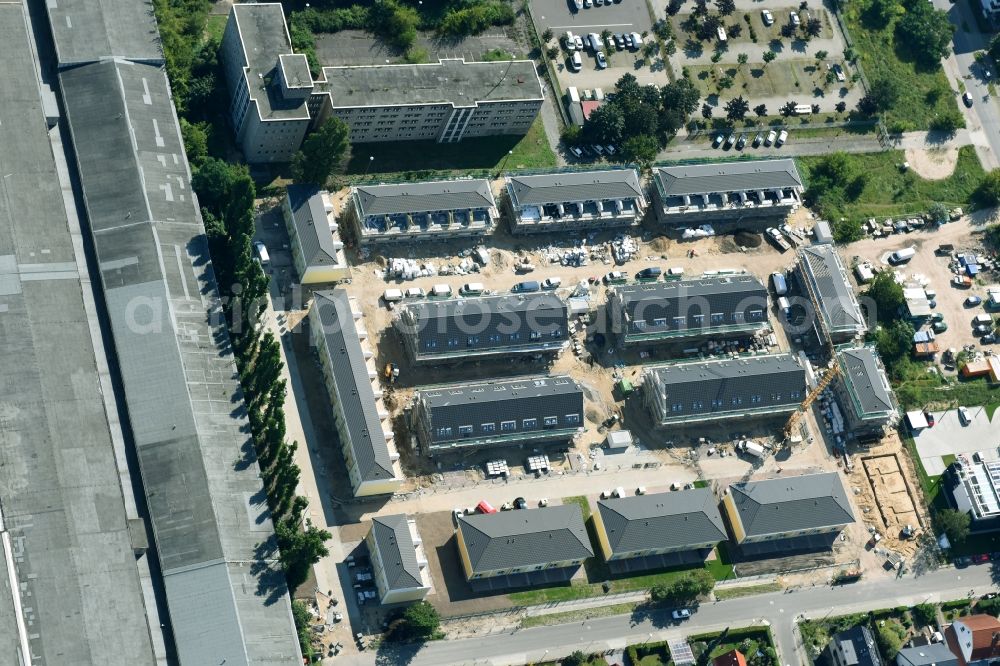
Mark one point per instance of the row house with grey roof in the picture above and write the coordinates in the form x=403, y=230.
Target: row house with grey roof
x=507, y=412
x=574, y=200
x=658, y=530
x=275, y=101
x=408, y=212
x=787, y=514
x=529, y=547
x=362, y=421
x=693, y=392
x=663, y=311
x=399, y=563
x=836, y=312
x=314, y=236
x=473, y=329
x=863, y=391
x=691, y=194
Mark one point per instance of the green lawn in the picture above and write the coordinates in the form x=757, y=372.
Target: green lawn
x=746, y=591
x=215, y=25
x=801, y=80
x=888, y=191
x=759, y=637
x=763, y=33
x=924, y=92
x=583, y=590
x=931, y=485
x=582, y=502
x=422, y=159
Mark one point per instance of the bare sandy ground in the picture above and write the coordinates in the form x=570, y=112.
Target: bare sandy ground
x=933, y=164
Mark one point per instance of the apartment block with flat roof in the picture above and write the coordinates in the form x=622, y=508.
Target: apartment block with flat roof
x=407, y=212
x=472, y=329
x=693, y=392
x=689, y=194
x=362, y=421
x=574, y=200
x=787, y=514
x=317, y=252
x=664, y=311
x=864, y=393
x=837, y=313
x=274, y=100
x=522, y=411
x=398, y=560
x=522, y=548
x=658, y=530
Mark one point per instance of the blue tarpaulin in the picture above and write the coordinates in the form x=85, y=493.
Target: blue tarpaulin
x=972, y=269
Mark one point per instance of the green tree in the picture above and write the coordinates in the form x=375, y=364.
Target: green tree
x=988, y=192
x=641, y=149
x=994, y=49
x=890, y=634
x=300, y=549
x=955, y=524
x=726, y=7
x=547, y=35
x=321, y=152
x=577, y=658
x=894, y=343
x=882, y=96
x=769, y=56
x=737, y=108
x=925, y=615
x=926, y=31
x=881, y=12
x=813, y=27
x=395, y=23
x=681, y=96
x=683, y=589
x=886, y=296
x=707, y=110
x=821, y=55
x=605, y=125
x=947, y=122
x=760, y=110
x=419, y=622
x=195, y=137
x=303, y=625
x=938, y=212
x=742, y=58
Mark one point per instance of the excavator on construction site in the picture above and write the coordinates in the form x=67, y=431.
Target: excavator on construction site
x=796, y=417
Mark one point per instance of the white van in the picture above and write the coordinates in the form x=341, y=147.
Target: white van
x=902, y=256
x=784, y=305
x=392, y=296
x=441, y=290
x=779, y=283
x=594, y=41
x=982, y=320
x=415, y=292
x=575, y=61
x=781, y=138
x=262, y=255
x=472, y=289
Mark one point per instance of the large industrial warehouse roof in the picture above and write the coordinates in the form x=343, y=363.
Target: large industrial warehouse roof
x=691, y=179
x=63, y=504
x=662, y=520
x=90, y=30
x=792, y=503
x=429, y=197
x=573, y=186
x=525, y=538
x=210, y=519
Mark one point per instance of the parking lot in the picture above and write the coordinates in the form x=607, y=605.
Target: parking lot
x=616, y=17
x=949, y=438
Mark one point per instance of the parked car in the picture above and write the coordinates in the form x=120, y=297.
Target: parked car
x=981, y=329
x=782, y=137
x=794, y=19
x=578, y=40
x=575, y=62
x=570, y=41
x=525, y=287
x=937, y=316
x=602, y=62
x=940, y=326
x=611, y=149
x=988, y=339
x=681, y=614
x=551, y=283
x=769, y=139
x=597, y=149
x=619, y=42
x=730, y=140
x=636, y=40
x=767, y=17
x=578, y=4
x=757, y=140
x=741, y=142
x=262, y=255
x=415, y=292
x=718, y=140
x=964, y=416
x=627, y=38
x=930, y=418
x=650, y=273
x=615, y=277
x=973, y=301
x=576, y=151
x=967, y=99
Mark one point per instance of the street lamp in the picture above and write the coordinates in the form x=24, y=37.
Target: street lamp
x=504, y=163
x=371, y=158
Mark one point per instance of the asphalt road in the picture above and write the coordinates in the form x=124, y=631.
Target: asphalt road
x=983, y=119
x=777, y=609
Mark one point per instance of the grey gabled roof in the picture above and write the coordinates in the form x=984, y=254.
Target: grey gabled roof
x=310, y=219
x=858, y=646
x=497, y=401
x=826, y=274
x=727, y=177
x=396, y=551
x=662, y=520
x=729, y=296
x=792, y=503
x=350, y=372
x=429, y=197
x=866, y=379
x=730, y=385
x=573, y=186
x=485, y=323
x=934, y=654
x=525, y=538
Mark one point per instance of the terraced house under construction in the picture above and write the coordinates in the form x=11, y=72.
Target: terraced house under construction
x=685, y=309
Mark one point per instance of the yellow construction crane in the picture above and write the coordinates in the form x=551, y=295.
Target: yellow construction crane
x=793, y=420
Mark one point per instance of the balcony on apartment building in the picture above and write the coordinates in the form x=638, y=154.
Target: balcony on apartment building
x=727, y=201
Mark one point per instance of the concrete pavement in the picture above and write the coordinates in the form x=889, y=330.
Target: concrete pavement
x=779, y=610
